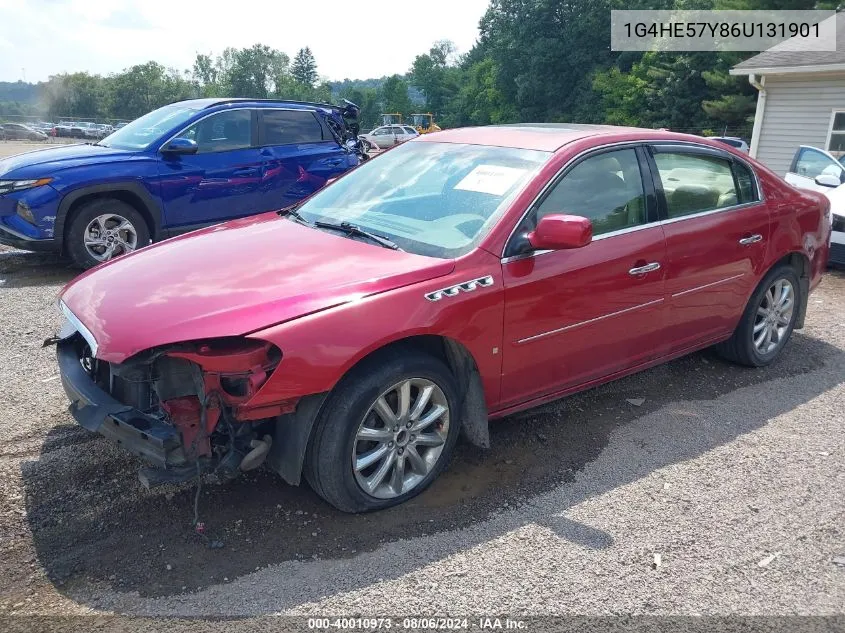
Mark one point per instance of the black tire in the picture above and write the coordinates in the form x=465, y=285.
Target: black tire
x=328, y=466
x=740, y=347
x=74, y=238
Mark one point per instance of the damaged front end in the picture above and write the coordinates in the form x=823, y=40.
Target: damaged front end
x=181, y=407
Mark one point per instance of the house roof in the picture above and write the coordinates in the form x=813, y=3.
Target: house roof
x=792, y=56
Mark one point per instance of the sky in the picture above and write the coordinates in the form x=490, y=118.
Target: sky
x=40, y=38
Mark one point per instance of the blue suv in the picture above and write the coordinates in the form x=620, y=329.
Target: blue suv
x=183, y=166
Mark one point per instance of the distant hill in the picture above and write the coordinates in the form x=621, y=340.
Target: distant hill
x=19, y=91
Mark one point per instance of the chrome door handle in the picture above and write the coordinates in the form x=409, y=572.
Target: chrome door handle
x=642, y=270
x=753, y=239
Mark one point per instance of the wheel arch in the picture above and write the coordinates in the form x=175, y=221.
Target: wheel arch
x=131, y=193
x=293, y=431
x=459, y=359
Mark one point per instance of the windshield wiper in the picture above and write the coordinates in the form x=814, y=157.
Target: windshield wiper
x=354, y=229
x=291, y=212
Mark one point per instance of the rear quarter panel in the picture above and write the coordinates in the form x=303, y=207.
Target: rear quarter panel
x=799, y=224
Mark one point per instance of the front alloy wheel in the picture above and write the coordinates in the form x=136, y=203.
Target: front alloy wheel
x=385, y=432
x=400, y=438
x=110, y=235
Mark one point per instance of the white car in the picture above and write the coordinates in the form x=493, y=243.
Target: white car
x=816, y=169
x=389, y=135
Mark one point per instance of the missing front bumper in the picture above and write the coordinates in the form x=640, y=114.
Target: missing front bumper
x=97, y=411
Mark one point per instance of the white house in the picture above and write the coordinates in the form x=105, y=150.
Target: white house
x=800, y=100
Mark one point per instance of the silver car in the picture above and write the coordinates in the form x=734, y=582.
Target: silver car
x=390, y=135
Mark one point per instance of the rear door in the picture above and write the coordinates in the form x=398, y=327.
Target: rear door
x=299, y=154
x=222, y=180
x=573, y=316
x=717, y=231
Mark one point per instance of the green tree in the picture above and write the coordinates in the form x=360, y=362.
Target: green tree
x=304, y=68
x=76, y=94
x=479, y=102
x=436, y=78
x=394, y=96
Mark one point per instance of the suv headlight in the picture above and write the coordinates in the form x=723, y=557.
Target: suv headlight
x=8, y=186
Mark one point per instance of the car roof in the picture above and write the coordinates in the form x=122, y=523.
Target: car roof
x=549, y=137
x=202, y=104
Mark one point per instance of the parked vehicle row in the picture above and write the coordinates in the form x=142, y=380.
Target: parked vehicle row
x=462, y=276
x=173, y=170
x=20, y=132
x=82, y=130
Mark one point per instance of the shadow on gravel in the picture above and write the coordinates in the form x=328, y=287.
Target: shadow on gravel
x=91, y=521
x=22, y=269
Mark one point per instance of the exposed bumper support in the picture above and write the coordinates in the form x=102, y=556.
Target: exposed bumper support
x=97, y=411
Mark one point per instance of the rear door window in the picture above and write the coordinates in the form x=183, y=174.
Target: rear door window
x=286, y=127
x=746, y=184
x=695, y=183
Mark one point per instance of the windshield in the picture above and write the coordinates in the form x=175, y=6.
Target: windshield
x=141, y=133
x=434, y=199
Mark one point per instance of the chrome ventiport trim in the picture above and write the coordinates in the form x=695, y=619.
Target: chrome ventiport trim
x=710, y=285
x=80, y=327
x=465, y=286
x=580, y=323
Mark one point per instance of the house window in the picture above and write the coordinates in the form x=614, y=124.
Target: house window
x=836, y=139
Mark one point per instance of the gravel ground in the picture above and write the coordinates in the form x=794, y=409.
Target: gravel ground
x=733, y=476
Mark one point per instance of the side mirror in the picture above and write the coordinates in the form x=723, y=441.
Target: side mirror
x=828, y=180
x=180, y=145
x=557, y=231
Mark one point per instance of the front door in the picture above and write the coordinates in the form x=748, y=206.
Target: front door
x=222, y=180
x=717, y=231
x=573, y=316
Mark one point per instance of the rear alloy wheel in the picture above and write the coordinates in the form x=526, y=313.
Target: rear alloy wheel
x=773, y=317
x=104, y=229
x=384, y=433
x=768, y=320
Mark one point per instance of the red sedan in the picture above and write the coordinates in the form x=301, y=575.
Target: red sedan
x=457, y=278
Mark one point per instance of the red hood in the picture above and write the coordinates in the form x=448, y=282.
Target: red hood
x=231, y=279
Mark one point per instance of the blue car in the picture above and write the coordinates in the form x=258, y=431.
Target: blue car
x=178, y=168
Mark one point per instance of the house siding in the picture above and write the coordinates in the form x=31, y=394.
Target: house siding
x=798, y=109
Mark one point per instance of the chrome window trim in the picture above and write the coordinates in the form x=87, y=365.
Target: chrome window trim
x=728, y=156
x=534, y=337
x=80, y=327
x=210, y=114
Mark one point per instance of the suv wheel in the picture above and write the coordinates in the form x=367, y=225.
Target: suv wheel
x=103, y=229
x=768, y=320
x=385, y=433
